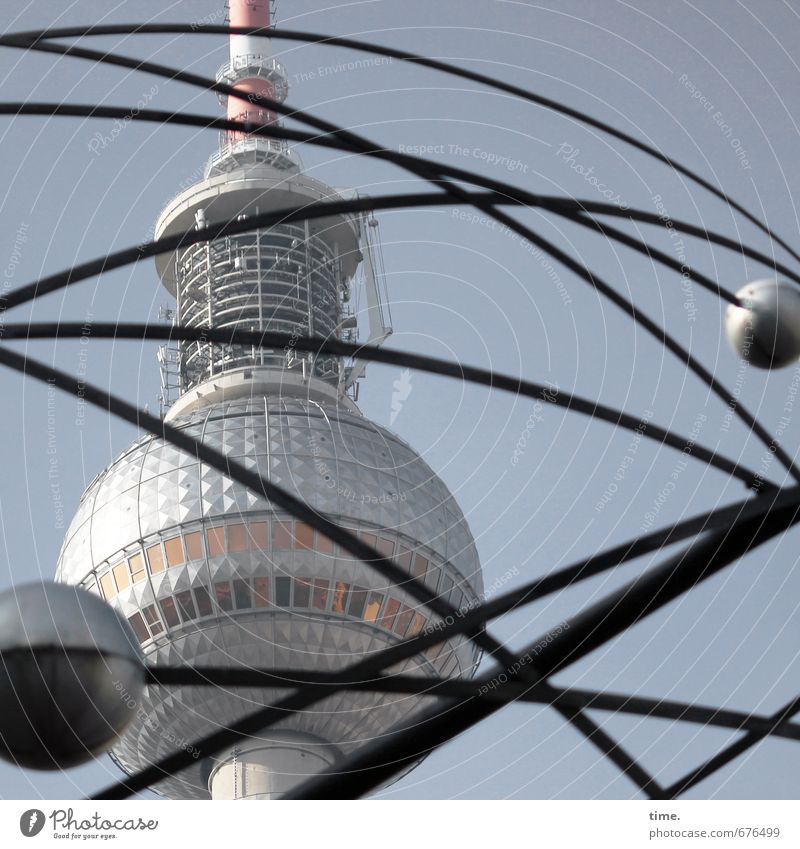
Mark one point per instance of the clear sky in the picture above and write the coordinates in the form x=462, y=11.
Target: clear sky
x=712, y=84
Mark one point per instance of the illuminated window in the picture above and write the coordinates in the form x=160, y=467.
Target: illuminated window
x=169, y=612
x=185, y=605
x=302, y=592
x=404, y=558
x=258, y=535
x=203, y=600
x=121, y=575
x=216, y=541
x=319, y=598
x=173, y=548
x=107, y=583
x=241, y=594
x=281, y=536
x=151, y=617
x=386, y=547
x=222, y=591
x=370, y=539
x=420, y=566
x=417, y=624
x=358, y=598
x=324, y=545
x=136, y=564
x=237, y=538
x=194, y=545
x=373, y=607
x=340, y=597
x=403, y=620
x=139, y=628
x=156, y=558
x=304, y=536
x=261, y=591
x=392, y=607
x=283, y=589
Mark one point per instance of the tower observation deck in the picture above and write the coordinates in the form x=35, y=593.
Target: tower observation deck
x=208, y=573
x=295, y=278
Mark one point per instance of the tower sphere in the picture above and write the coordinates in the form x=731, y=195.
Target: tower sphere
x=71, y=675
x=765, y=329
x=209, y=574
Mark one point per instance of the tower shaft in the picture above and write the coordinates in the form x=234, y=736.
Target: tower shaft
x=213, y=573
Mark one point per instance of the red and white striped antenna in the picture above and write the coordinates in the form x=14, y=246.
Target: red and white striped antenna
x=252, y=70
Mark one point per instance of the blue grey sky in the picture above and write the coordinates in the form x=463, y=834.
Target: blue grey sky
x=712, y=84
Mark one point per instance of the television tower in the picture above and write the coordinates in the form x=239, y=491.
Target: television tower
x=206, y=572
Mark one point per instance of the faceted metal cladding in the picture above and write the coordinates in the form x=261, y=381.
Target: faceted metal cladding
x=283, y=277
x=209, y=574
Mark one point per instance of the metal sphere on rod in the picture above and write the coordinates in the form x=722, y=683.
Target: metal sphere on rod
x=765, y=329
x=71, y=675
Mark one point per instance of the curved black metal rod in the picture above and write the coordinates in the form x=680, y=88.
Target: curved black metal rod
x=573, y=209
x=433, y=173
x=12, y=40
x=646, y=217
x=587, y=631
x=416, y=685
x=352, y=140
x=714, y=520
x=371, y=353
x=754, y=735
x=696, y=714
x=263, y=718
x=652, y=253
x=127, y=256
x=623, y=303
x=671, y=344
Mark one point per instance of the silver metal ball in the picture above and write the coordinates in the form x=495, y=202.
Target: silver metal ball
x=765, y=329
x=71, y=675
